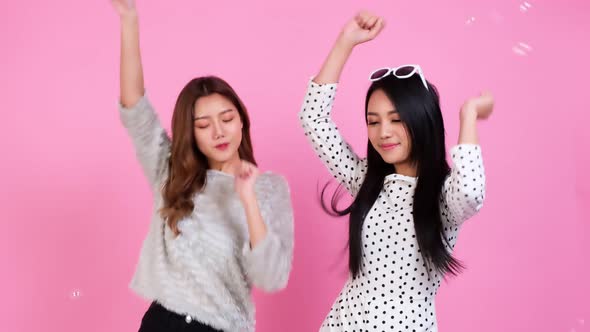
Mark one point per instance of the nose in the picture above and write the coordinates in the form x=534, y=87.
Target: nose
x=217, y=130
x=385, y=131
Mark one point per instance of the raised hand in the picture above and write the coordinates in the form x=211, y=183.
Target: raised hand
x=125, y=8
x=362, y=28
x=480, y=107
x=245, y=178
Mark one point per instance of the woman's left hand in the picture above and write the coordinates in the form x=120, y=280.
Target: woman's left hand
x=245, y=178
x=480, y=107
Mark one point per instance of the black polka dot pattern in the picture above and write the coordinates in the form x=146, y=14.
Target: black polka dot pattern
x=325, y=138
x=395, y=291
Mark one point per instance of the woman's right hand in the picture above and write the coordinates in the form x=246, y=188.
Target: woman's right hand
x=125, y=8
x=362, y=28
x=131, y=70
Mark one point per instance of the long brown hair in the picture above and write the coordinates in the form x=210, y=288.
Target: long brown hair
x=187, y=166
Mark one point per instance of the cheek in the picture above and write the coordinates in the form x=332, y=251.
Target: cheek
x=234, y=129
x=402, y=133
x=374, y=138
x=202, y=138
x=406, y=135
x=407, y=142
x=373, y=134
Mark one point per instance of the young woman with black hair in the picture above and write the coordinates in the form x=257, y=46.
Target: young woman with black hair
x=408, y=203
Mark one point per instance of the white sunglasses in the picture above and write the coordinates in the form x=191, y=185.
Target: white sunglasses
x=402, y=72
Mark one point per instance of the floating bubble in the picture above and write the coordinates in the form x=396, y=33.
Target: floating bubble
x=525, y=6
x=75, y=294
x=522, y=49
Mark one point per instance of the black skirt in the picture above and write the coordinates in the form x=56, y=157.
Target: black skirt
x=160, y=319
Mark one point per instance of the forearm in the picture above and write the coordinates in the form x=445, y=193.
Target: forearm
x=256, y=226
x=131, y=70
x=468, y=127
x=334, y=63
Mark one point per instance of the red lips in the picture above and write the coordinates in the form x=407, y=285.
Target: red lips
x=222, y=146
x=388, y=147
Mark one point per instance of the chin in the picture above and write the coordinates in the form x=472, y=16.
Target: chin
x=392, y=160
x=222, y=156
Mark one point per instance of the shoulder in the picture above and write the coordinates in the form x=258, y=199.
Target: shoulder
x=271, y=182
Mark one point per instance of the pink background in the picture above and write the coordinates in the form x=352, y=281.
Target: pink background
x=75, y=207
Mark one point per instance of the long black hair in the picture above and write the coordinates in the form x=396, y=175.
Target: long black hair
x=419, y=111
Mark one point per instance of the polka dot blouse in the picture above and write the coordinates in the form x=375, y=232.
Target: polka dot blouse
x=394, y=291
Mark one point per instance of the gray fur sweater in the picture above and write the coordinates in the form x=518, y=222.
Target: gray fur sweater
x=208, y=271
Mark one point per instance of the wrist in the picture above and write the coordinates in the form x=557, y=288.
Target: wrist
x=129, y=18
x=468, y=113
x=248, y=197
x=343, y=45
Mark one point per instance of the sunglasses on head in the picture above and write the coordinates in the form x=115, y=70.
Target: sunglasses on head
x=401, y=72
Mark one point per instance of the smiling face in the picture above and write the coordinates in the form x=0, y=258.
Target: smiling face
x=217, y=129
x=387, y=133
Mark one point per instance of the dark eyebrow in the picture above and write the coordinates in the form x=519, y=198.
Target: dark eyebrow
x=220, y=113
x=375, y=114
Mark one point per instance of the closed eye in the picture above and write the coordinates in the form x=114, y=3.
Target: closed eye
x=202, y=124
